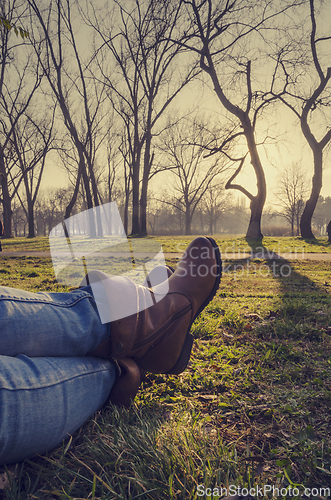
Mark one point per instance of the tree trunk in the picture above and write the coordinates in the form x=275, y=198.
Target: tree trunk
x=298, y=223
x=257, y=202
x=6, y=200
x=135, y=230
x=91, y=222
x=31, y=233
x=73, y=200
x=308, y=212
x=143, y=208
x=144, y=188
x=126, y=214
x=29, y=211
x=135, y=173
x=99, y=230
x=188, y=220
x=254, y=226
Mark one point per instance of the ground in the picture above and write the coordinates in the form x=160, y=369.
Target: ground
x=252, y=410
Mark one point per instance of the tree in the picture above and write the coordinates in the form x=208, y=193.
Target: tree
x=143, y=84
x=18, y=219
x=172, y=217
x=306, y=92
x=19, y=81
x=32, y=139
x=227, y=37
x=184, y=147
x=154, y=212
x=75, y=86
x=214, y=204
x=292, y=192
x=209, y=25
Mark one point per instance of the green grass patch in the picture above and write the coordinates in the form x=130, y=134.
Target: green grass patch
x=235, y=245
x=38, y=244
x=35, y=274
x=178, y=244
x=252, y=408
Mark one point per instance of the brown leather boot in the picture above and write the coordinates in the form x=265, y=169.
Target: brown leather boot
x=157, y=333
x=127, y=383
x=130, y=376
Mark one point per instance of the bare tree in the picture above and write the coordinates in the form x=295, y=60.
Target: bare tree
x=306, y=91
x=143, y=84
x=292, y=192
x=154, y=212
x=184, y=148
x=19, y=221
x=32, y=140
x=214, y=204
x=221, y=34
x=19, y=80
x=75, y=86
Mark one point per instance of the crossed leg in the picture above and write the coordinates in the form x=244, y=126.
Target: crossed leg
x=44, y=400
x=49, y=386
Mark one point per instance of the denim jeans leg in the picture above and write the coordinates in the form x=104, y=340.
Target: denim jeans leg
x=44, y=400
x=49, y=324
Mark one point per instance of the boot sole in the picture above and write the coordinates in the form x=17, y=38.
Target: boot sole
x=185, y=354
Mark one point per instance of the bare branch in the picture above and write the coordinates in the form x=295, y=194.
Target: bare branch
x=243, y=190
x=313, y=42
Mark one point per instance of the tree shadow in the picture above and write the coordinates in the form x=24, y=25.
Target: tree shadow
x=285, y=267
x=299, y=290
x=303, y=309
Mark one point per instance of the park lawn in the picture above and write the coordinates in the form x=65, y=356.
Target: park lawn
x=252, y=409
x=177, y=244
x=38, y=244
x=239, y=245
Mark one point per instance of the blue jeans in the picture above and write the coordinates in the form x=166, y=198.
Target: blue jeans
x=49, y=385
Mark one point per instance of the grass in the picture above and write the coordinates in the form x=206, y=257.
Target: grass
x=38, y=244
x=239, y=245
x=251, y=410
x=228, y=245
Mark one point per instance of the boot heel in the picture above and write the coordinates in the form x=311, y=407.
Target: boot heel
x=184, y=356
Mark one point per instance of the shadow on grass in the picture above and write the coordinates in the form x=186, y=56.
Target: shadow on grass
x=287, y=271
